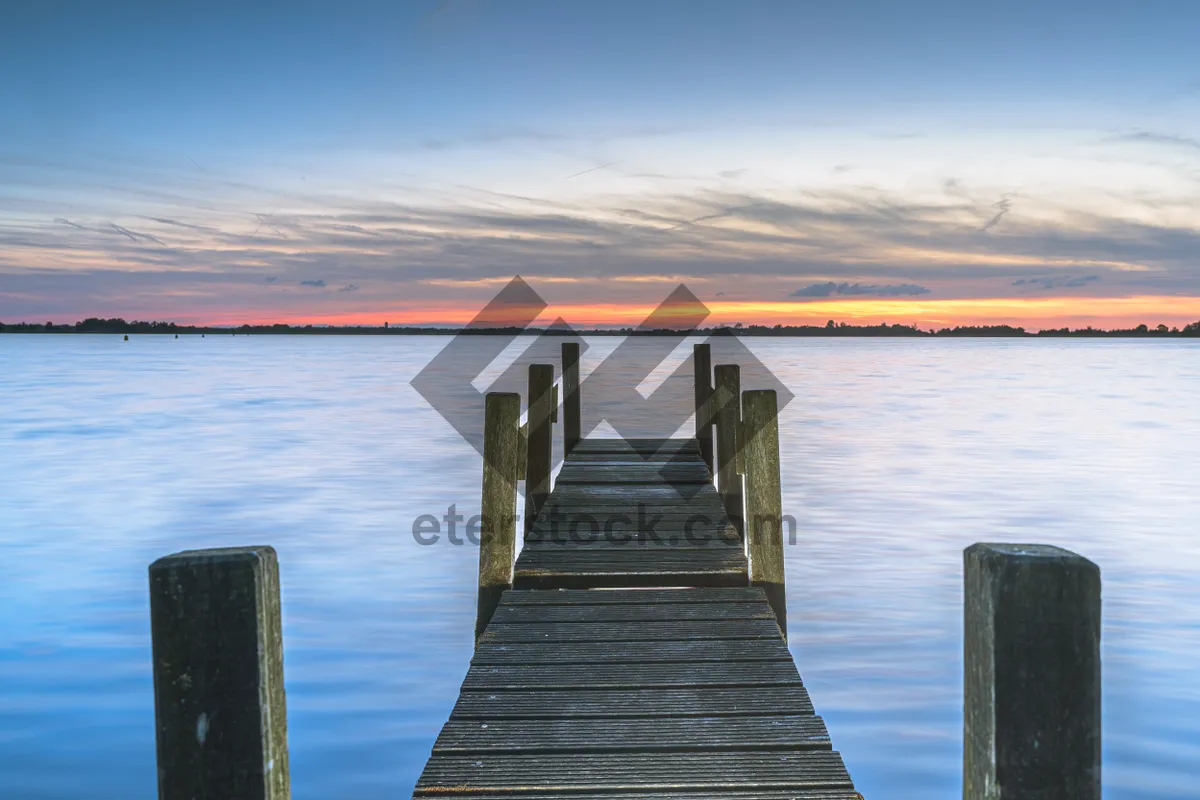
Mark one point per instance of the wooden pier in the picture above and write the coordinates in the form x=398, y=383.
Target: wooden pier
x=634, y=656
x=636, y=648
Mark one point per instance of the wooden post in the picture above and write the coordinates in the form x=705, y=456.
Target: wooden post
x=537, y=460
x=728, y=415
x=572, y=414
x=764, y=501
x=219, y=706
x=702, y=362
x=1031, y=721
x=498, y=510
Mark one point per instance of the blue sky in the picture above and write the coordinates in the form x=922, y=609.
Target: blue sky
x=221, y=161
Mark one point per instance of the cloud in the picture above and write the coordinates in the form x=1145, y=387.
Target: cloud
x=829, y=289
x=1004, y=205
x=1164, y=139
x=349, y=287
x=591, y=169
x=833, y=241
x=1059, y=282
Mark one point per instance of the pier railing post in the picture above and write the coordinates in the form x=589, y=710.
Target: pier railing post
x=572, y=414
x=703, y=385
x=502, y=442
x=217, y=642
x=1031, y=717
x=537, y=460
x=764, y=501
x=726, y=398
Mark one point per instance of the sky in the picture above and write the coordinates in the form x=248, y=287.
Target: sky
x=930, y=163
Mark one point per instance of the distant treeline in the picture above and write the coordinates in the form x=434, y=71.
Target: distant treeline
x=96, y=325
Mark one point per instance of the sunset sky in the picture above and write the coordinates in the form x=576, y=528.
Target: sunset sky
x=920, y=162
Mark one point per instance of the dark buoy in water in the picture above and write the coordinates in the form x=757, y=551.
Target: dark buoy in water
x=127, y=337
x=177, y=336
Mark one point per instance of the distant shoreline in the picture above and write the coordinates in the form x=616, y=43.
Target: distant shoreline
x=830, y=329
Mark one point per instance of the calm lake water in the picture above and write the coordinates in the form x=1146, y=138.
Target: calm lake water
x=897, y=455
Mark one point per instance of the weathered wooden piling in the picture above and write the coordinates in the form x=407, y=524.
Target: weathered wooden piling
x=220, y=710
x=703, y=387
x=572, y=412
x=764, y=501
x=726, y=401
x=498, y=512
x=1031, y=721
x=537, y=459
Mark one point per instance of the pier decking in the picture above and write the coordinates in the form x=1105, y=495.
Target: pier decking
x=588, y=683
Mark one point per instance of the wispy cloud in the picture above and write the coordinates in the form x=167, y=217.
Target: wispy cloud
x=866, y=290
x=1164, y=139
x=591, y=169
x=839, y=241
x=134, y=235
x=1003, y=206
x=1057, y=282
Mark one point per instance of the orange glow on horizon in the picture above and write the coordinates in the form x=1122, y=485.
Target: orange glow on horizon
x=1033, y=313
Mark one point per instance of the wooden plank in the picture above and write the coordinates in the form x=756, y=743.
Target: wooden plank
x=607, y=772
x=630, y=515
x=708, y=701
x=616, y=560
x=605, y=530
x=631, y=475
x=630, y=559
x=676, y=630
x=499, y=677
x=752, y=794
x=579, y=568
x=648, y=494
x=590, y=445
x=630, y=612
x=630, y=478
x=598, y=653
x=583, y=579
x=630, y=459
x=634, y=516
x=663, y=734
x=636, y=596
x=669, y=472
x=649, y=543
x=676, y=537
x=634, y=465
x=662, y=499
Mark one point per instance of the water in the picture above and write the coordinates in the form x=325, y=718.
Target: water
x=897, y=454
